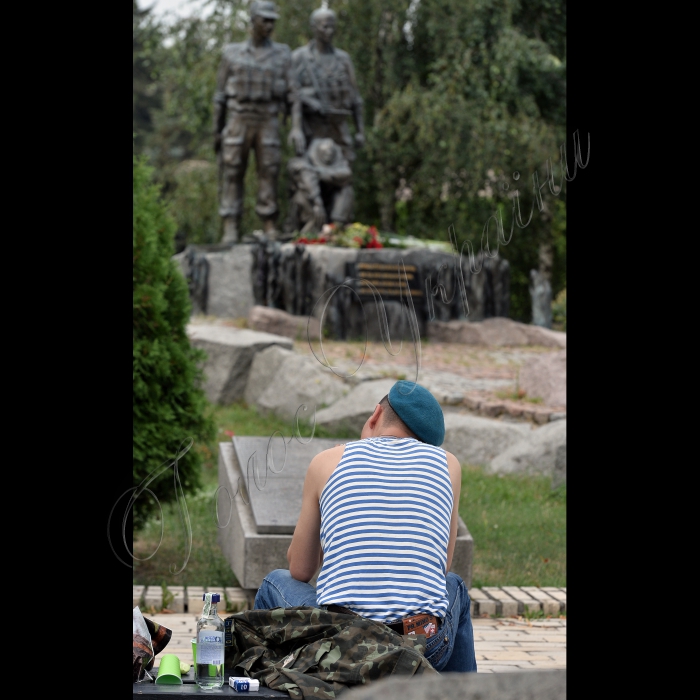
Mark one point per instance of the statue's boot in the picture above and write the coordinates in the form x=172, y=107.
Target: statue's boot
x=231, y=230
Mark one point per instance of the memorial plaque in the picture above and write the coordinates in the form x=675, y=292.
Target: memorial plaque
x=387, y=278
x=275, y=492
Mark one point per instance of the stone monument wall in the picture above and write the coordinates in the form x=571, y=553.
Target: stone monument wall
x=298, y=279
x=220, y=278
x=227, y=281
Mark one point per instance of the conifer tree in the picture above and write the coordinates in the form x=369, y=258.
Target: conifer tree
x=169, y=406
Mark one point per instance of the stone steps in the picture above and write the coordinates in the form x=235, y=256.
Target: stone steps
x=489, y=601
x=512, y=601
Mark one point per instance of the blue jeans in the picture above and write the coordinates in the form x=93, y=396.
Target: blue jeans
x=450, y=650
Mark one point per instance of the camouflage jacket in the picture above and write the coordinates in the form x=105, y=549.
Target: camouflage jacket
x=315, y=654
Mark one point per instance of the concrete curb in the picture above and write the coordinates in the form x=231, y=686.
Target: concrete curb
x=493, y=408
x=489, y=601
x=511, y=601
x=187, y=599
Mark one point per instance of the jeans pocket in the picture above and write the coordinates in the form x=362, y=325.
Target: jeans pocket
x=436, y=655
x=438, y=645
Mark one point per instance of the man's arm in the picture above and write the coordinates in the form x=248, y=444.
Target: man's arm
x=304, y=554
x=455, y=470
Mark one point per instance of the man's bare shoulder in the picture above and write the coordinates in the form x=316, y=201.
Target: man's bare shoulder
x=451, y=457
x=322, y=466
x=453, y=462
x=330, y=456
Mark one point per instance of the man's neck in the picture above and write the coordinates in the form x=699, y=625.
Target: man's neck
x=390, y=432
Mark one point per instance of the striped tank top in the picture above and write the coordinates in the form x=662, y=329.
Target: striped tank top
x=385, y=527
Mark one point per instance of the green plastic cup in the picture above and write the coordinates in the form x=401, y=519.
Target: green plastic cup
x=169, y=670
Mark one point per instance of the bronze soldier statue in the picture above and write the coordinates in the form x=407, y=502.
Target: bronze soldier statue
x=325, y=80
x=321, y=189
x=254, y=85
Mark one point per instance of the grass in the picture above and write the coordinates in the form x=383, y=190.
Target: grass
x=206, y=565
x=518, y=522
x=539, y=615
x=519, y=528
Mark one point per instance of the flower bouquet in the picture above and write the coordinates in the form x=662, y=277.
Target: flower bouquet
x=355, y=235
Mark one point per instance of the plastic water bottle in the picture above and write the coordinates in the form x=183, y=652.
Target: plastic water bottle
x=209, y=671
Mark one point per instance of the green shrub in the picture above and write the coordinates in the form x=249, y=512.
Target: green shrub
x=559, y=311
x=169, y=406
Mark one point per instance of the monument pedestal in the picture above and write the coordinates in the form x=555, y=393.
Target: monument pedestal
x=258, y=509
x=228, y=280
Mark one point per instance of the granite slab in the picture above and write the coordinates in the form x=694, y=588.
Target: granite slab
x=274, y=483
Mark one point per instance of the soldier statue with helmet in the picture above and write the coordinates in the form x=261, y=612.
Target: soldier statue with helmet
x=327, y=95
x=254, y=86
x=327, y=89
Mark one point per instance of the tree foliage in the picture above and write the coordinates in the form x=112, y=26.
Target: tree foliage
x=458, y=96
x=169, y=407
x=485, y=104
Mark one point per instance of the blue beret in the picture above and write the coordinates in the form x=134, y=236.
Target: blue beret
x=419, y=410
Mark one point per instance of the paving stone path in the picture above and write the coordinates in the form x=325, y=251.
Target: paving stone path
x=507, y=644
x=502, y=644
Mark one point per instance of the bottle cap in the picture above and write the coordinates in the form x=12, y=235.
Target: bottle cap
x=215, y=597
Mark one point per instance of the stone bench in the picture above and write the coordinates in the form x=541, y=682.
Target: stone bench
x=255, y=533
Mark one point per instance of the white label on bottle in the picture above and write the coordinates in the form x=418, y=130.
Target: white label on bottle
x=210, y=647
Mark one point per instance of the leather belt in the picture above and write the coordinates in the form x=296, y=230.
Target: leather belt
x=396, y=626
x=399, y=626
x=340, y=609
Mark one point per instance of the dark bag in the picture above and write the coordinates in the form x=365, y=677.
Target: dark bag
x=313, y=653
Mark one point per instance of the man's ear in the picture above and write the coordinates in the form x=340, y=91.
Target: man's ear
x=374, y=418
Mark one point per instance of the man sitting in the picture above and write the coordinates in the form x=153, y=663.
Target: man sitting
x=379, y=516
